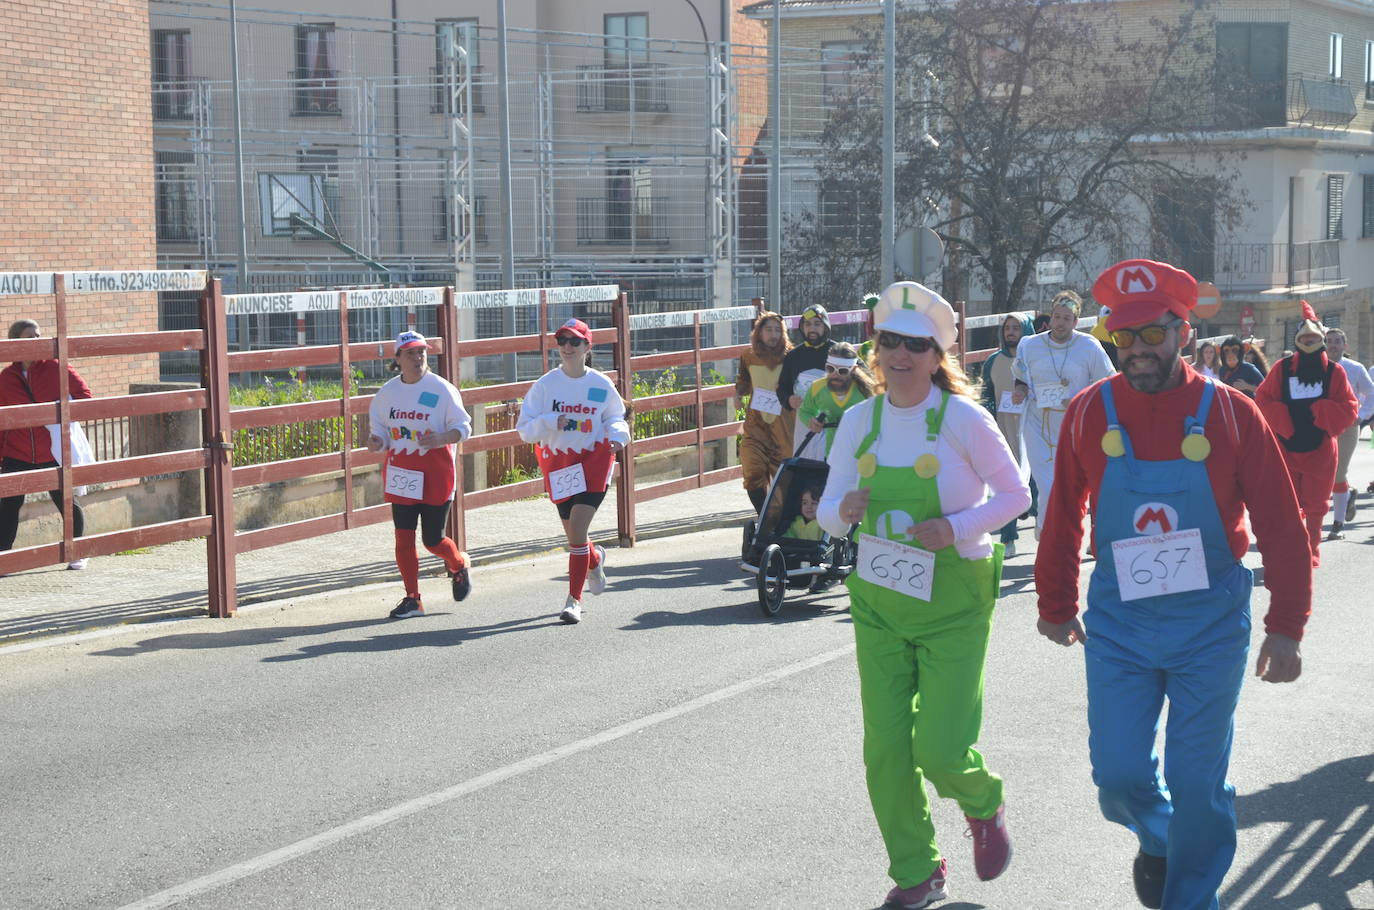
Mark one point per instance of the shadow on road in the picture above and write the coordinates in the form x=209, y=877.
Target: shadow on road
x=415, y=637
x=1324, y=851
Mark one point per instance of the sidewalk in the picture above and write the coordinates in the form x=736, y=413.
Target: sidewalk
x=170, y=580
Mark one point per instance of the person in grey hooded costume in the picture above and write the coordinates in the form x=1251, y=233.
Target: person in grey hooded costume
x=998, y=384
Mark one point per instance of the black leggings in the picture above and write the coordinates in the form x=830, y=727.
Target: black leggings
x=585, y=498
x=10, y=505
x=432, y=519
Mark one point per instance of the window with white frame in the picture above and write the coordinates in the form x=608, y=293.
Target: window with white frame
x=1333, y=67
x=307, y=196
x=839, y=64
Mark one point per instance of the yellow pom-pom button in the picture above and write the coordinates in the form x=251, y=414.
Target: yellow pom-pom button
x=927, y=466
x=1196, y=447
x=868, y=463
x=1113, y=444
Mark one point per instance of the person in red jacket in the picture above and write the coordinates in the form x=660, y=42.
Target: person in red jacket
x=26, y=382
x=1308, y=403
x=1167, y=462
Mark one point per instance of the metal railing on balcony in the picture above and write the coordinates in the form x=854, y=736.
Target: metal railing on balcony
x=633, y=87
x=1304, y=100
x=1320, y=101
x=442, y=101
x=315, y=93
x=640, y=221
x=175, y=100
x=1263, y=266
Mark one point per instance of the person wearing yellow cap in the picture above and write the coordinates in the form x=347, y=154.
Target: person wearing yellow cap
x=913, y=468
x=1167, y=462
x=803, y=365
x=1308, y=403
x=1050, y=369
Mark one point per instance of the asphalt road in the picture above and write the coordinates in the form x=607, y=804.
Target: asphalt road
x=676, y=749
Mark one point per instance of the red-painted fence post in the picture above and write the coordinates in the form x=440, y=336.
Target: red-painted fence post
x=625, y=496
x=701, y=404
x=64, y=418
x=219, y=472
x=346, y=390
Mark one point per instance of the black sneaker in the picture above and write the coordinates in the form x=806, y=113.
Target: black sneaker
x=1148, y=872
x=461, y=583
x=408, y=607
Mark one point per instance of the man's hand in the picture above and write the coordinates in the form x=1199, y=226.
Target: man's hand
x=1018, y=394
x=853, y=506
x=935, y=534
x=794, y=402
x=815, y=425
x=1280, y=659
x=1062, y=633
x=1245, y=386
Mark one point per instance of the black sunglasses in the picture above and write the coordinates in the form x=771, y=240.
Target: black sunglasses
x=914, y=345
x=573, y=340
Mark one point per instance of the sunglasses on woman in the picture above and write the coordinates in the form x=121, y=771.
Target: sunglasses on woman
x=1150, y=334
x=571, y=340
x=914, y=345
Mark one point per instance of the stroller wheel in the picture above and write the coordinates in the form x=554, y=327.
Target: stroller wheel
x=772, y=580
x=747, y=547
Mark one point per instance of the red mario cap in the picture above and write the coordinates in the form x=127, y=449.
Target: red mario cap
x=1141, y=290
x=575, y=327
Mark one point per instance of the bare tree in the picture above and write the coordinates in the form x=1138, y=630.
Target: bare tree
x=1025, y=129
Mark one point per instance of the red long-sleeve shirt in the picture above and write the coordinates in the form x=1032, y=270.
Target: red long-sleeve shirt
x=33, y=444
x=1246, y=470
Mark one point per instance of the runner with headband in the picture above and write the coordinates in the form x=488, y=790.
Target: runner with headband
x=576, y=419
x=417, y=418
x=913, y=467
x=845, y=384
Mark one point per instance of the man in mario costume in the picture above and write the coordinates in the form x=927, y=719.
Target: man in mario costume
x=1167, y=461
x=1309, y=403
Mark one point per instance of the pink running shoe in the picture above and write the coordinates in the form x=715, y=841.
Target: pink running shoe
x=991, y=844
x=923, y=895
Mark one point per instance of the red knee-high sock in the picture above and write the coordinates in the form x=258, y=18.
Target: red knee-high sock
x=593, y=556
x=448, y=551
x=577, y=570
x=408, y=562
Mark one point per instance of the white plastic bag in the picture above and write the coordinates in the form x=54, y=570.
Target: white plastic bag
x=81, y=449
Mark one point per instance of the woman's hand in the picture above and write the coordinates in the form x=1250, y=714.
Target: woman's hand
x=853, y=506
x=935, y=534
x=375, y=443
x=617, y=447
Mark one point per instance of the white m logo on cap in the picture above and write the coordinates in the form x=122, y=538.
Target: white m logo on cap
x=1135, y=280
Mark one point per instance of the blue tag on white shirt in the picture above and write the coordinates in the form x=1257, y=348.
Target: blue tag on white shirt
x=428, y=399
x=596, y=394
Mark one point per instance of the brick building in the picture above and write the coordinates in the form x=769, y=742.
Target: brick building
x=76, y=163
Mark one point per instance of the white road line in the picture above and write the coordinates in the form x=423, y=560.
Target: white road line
x=325, y=839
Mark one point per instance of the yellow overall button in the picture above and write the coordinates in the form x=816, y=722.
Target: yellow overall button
x=927, y=466
x=868, y=463
x=1196, y=447
x=1113, y=444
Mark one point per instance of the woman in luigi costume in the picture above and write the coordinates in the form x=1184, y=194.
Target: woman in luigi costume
x=913, y=468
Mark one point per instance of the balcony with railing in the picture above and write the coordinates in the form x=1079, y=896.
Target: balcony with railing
x=632, y=87
x=443, y=91
x=315, y=93
x=176, y=100
x=1306, y=100
x=1278, y=267
x=637, y=222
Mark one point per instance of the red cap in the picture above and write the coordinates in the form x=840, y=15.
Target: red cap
x=1141, y=290
x=575, y=327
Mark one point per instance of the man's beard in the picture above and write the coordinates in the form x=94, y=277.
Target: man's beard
x=814, y=338
x=1149, y=381
x=838, y=385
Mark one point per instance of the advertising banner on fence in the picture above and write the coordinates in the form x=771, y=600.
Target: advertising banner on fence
x=136, y=280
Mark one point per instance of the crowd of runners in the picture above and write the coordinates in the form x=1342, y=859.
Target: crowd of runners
x=1176, y=460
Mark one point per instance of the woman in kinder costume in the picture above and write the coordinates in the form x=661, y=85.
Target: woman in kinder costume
x=913, y=468
x=417, y=417
x=577, y=420
x=767, y=437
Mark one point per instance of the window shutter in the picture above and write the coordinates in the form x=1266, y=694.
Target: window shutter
x=1335, y=203
x=1367, y=207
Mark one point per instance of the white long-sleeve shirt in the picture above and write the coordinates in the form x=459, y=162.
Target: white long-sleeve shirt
x=974, y=458
x=564, y=414
x=1362, y=385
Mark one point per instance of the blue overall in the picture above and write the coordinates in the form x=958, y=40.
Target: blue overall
x=1189, y=646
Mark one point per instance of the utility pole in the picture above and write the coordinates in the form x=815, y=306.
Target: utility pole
x=888, y=241
x=775, y=161
x=242, y=283
x=507, y=201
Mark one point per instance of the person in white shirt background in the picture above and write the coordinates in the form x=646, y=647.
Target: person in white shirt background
x=418, y=418
x=1342, y=496
x=1051, y=368
x=914, y=467
x=576, y=419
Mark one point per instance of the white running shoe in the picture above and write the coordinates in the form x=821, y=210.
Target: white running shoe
x=572, y=611
x=77, y=565
x=596, y=578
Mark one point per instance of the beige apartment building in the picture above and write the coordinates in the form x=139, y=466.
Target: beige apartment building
x=1299, y=120
x=371, y=149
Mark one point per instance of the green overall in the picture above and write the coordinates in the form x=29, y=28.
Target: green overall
x=921, y=666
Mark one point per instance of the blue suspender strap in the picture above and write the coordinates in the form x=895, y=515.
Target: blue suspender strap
x=1113, y=423
x=1197, y=422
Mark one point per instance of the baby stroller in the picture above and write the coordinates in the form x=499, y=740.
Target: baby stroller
x=779, y=561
